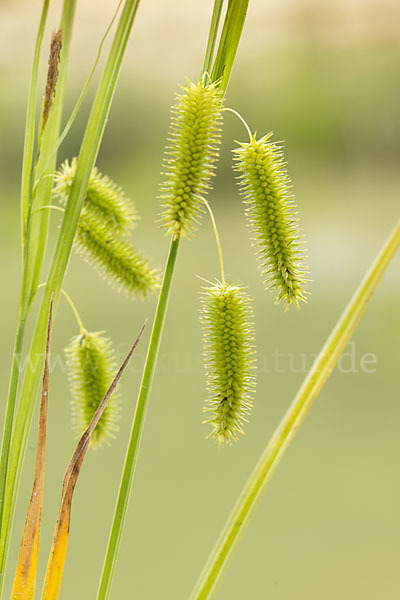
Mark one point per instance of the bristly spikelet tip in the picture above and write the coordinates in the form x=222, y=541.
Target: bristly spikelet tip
x=229, y=355
x=191, y=156
x=271, y=212
x=104, y=199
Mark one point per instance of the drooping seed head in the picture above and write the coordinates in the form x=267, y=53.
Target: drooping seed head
x=104, y=198
x=103, y=230
x=228, y=334
x=271, y=212
x=115, y=259
x=91, y=369
x=191, y=156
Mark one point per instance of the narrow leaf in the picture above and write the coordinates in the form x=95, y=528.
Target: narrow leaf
x=25, y=575
x=229, y=41
x=216, y=16
x=55, y=566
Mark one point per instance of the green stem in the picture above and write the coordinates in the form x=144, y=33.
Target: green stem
x=212, y=38
x=87, y=156
x=79, y=101
x=137, y=427
x=9, y=418
x=30, y=124
x=217, y=240
x=74, y=310
x=38, y=220
x=291, y=422
x=229, y=42
x=25, y=183
x=239, y=116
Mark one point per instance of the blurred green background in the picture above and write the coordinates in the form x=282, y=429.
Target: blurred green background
x=325, y=77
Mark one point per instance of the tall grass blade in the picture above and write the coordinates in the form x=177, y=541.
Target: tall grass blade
x=25, y=575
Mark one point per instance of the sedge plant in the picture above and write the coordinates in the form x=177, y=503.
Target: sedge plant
x=98, y=221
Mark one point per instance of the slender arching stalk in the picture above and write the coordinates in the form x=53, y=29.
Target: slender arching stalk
x=217, y=240
x=291, y=422
x=74, y=309
x=241, y=119
x=87, y=156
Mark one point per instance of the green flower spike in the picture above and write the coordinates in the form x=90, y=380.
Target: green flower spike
x=104, y=200
x=91, y=369
x=114, y=258
x=228, y=334
x=270, y=209
x=102, y=234
x=191, y=156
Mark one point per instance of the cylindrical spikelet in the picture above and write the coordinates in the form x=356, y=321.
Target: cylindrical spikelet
x=270, y=209
x=114, y=257
x=91, y=369
x=104, y=198
x=228, y=334
x=191, y=156
x=106, y=219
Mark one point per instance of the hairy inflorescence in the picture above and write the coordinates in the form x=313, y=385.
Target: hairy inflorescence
x=191, y=156
x=114, y=257
x=228, y=335
x=104, y=198
x=91, y=369
x=102, y=236
x=270, y=209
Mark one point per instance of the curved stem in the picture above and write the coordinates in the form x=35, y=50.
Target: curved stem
x=72, y=306
x=214, y=224
x=239, y=116
x=137, y=427
x=291, y=422
x=49, y=207
x=74, y=309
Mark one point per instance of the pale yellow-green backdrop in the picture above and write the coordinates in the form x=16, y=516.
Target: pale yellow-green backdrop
x=325, y=77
